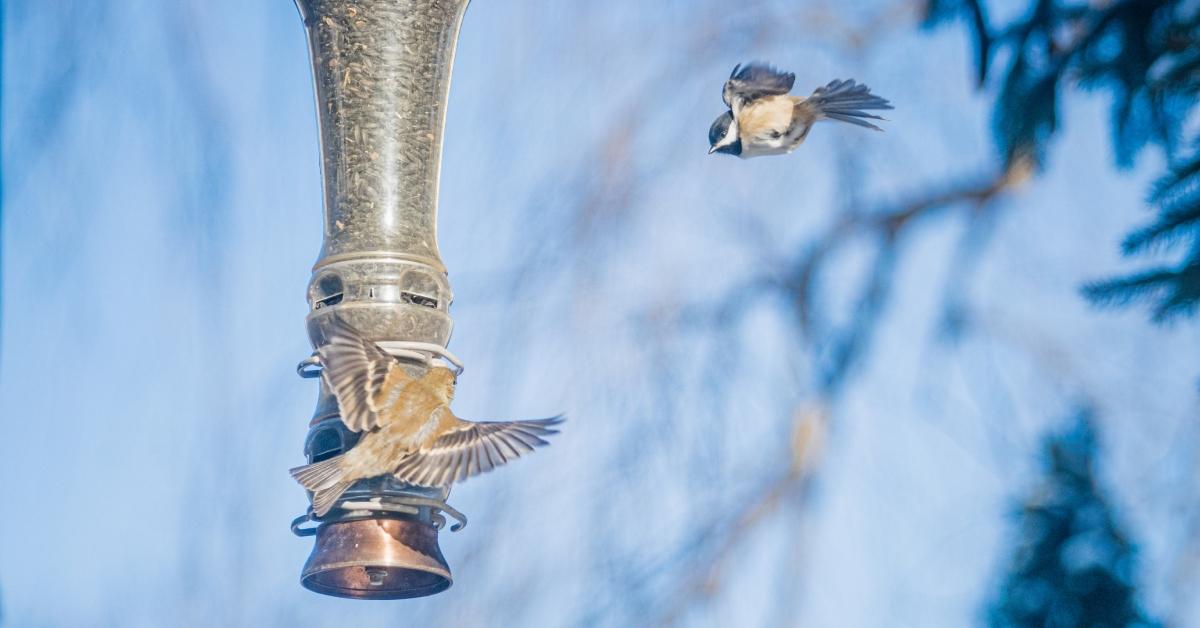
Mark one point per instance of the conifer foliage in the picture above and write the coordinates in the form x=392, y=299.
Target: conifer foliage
x=1146, y=55
x=1072, y=565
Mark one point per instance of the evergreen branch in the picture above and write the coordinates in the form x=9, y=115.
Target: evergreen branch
x=1144, y=52
x=1178, y=196
x=1186, y=175
x=1176, y=289
x=1166, y=232
x=1126, y=290
x=1047, y=583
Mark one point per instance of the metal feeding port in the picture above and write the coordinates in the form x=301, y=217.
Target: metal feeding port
x=382, y=75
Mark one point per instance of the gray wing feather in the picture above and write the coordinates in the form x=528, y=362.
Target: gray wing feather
x=755, y=80
x=355, y=368
x=475, y=448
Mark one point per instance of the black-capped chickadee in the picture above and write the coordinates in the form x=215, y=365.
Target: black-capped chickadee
x=764, y=120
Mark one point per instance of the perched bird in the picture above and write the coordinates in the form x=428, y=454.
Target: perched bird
x=410, y=431
x=764, y=120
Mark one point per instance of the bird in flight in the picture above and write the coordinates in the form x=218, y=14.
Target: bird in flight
x=763, y=119
x=409, y=430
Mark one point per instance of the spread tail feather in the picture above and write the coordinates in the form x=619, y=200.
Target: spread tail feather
x=326, y=481
x=847, y=101
x=324, y=500
x=854, y=119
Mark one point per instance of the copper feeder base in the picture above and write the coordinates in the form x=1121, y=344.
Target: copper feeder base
x=376, y=559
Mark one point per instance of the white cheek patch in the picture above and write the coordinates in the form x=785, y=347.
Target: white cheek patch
x=731, y=135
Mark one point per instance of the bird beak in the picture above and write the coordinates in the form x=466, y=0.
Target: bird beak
x=712, y=149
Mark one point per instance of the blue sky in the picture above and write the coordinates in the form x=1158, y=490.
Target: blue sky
x=162, y=212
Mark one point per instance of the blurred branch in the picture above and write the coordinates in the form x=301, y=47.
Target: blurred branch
x=825, y=21
x=706, y=577
x=970, y=248
x=938, y=11
x=888, y=227
x=707, y=580
x=798, y=285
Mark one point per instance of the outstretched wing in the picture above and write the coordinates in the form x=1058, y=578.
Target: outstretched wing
x=474, y=448
x=364, y=377
x=755, y=80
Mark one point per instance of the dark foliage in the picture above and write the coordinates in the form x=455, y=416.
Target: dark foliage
x=1072, y=565
x=1146, y=54
x=1174, y=290
x=938, y=11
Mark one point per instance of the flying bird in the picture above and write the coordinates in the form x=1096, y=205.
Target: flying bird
x=409, y=430
x=763, y=119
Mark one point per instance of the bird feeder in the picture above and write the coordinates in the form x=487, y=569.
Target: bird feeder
x=381, y=70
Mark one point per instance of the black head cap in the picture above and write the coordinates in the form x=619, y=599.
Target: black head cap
x=717, y=132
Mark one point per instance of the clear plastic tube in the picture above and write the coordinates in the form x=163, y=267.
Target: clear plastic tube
x=382, y=74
